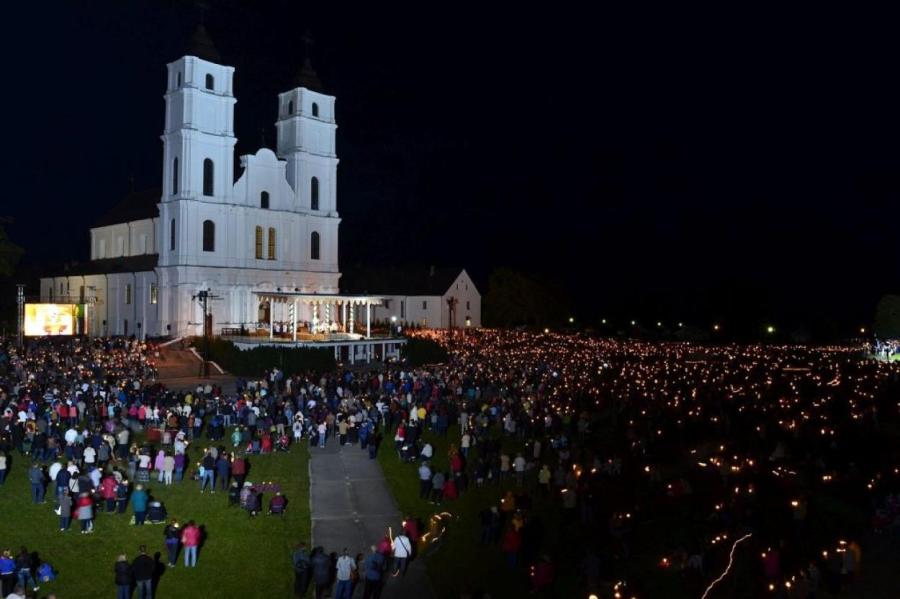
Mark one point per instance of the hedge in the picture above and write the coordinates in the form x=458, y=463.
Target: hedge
x=419, y=352
x=253, y=362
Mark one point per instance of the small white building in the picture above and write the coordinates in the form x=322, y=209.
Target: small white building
x=433, y=297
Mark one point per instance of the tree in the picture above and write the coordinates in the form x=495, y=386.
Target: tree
x=9, y=254
x=514, y=299
x=887, y=317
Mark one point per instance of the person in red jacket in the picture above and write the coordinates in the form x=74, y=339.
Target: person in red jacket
x=512, y=542
x=238, y=469
x=108, y=491
x=190, y=540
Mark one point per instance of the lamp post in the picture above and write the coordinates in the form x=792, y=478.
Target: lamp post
x=20, y=306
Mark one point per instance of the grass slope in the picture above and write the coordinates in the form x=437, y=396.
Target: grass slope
x=241, y=557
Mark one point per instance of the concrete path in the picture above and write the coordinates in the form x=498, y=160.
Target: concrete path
x=352, y=507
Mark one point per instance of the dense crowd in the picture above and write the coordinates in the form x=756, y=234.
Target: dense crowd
x=628, y=465
x=94, y=428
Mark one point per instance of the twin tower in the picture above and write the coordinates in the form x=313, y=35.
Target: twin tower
x=281, y=214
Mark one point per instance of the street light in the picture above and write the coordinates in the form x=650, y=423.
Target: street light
x=770, y=329
x=633, y=323
x=571, y=319
x=715, y=327
x=862, y=330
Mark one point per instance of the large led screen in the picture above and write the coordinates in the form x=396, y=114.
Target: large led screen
x=49, y=319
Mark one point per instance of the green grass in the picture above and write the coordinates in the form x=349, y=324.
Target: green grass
x=241, y=557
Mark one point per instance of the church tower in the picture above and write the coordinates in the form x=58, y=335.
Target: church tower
x=306, y=131
x=198, y=146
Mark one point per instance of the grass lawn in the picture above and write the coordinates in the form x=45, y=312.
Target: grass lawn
x=241, y=557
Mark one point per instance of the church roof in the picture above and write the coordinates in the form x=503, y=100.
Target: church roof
x=142, y=263
x=137, y=205
x=395, y=281
x=201, y=46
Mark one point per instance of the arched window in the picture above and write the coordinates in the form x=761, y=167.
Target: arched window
x=175, y=176
x=259, y=243
x=291, y=107
x=178, y=80
x=314, y=194
x=208, y=172
x=314, y=246
x=172, y=235
x=209, y=236
x=264, y=199
x=315, y=109
x=271, y=243
x=210, y=82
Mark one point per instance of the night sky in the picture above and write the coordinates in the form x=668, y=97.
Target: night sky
x=660, y=165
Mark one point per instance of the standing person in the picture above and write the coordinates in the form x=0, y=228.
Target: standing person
x=36, y=477
x=139, y=500
x=3, y=467
x=374, y=567
x=345, y=566
x=168, y=469
x=65, y=510
x=300, y=559
x=172, y=534
x=7, y=572
x=239, y=469
x=321, y=571
x=121, y=496
x=190, y=539
x=402, y=548
x=223, y=470
x=142, y=569
x=108, y=491
x=322, y=430
x=85, y=513
x=23, y=567
x=208, y=472
x=123, y=578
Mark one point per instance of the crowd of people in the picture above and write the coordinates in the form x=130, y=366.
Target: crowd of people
x=608, y=462
x=94, y=429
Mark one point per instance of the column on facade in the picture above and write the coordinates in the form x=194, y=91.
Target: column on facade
x=294, y=322
x=344, y=317
x=352, y=316
x=368, y=319
x=271, y=317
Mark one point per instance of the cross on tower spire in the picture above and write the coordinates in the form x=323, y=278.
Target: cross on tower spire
x=308, y=77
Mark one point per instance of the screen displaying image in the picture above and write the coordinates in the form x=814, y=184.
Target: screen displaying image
x=49, y=319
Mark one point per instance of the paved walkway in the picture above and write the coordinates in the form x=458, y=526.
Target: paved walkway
x=352, y=507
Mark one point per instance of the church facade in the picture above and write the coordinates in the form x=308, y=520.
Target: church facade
x=273, y=228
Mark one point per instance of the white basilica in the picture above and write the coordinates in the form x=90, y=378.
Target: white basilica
x=275, y=228
x=264, y=245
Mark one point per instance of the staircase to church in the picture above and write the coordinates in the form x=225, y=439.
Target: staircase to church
x=180, y=369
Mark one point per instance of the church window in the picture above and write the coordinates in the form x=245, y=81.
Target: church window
x=291, y=107
x=209, y=236
x=264, y=199
x=128, y=294
x=424, y=305
x=271, y=243
x=175, y=176
x=315, y=109
x=314, y=246
x=210, y=82
x=259, y=243
x=61, y=289
x=154, y=293
x=178, y=80
x=172, y=235
x=208, y=171
x=468, y=307
x=314, y=194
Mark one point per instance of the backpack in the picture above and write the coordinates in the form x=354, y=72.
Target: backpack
x=45, y=573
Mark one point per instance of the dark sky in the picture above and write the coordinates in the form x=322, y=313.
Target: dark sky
x=660, y=164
